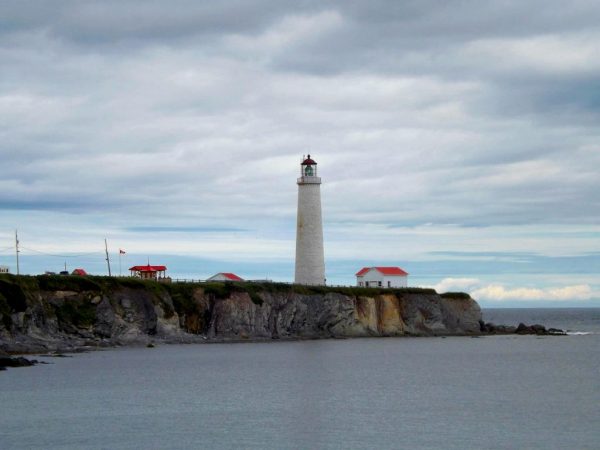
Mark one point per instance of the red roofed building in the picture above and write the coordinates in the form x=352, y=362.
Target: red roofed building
x=225, y=276
x=79, y=272
x=149, y=272
x=389, y=277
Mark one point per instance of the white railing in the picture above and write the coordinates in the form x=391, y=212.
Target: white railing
x=309, y=180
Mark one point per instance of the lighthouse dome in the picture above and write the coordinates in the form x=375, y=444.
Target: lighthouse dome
x=309, y=162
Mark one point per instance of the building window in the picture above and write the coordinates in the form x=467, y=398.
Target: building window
x=389, y=284
x=379, y=283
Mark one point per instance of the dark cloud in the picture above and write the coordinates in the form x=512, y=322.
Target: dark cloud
x=155, y=229
x=476, y=114
x=89, y=23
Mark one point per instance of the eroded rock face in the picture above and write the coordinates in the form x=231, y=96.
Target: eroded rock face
x=61, y=320
x=337, y=315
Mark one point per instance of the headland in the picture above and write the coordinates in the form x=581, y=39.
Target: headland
x=52, y=313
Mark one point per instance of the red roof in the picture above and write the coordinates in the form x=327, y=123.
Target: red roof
x=79, y=272
x=148, y=268
x=309, y=162
x=231, y=276
x=383, y=270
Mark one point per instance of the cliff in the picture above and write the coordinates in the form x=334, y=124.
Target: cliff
x=63, y=313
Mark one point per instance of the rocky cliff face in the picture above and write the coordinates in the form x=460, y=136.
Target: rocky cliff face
x=65, y=313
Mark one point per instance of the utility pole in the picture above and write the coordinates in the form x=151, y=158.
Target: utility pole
x=107, y=258
x=17, y=249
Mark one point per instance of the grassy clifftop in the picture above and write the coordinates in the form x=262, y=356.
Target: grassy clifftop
x=13, y=288
x=72, y=311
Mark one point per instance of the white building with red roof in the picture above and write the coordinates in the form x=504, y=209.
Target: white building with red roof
x=225, y=276
x=387, y=277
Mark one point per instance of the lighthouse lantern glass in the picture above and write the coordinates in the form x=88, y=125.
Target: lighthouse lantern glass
x=308, y=171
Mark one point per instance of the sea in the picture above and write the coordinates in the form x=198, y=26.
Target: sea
x=493, y=392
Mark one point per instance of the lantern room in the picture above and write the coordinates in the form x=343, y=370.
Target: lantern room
x=308, y=168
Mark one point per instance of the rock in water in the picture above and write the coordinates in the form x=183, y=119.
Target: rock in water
x=15, y=362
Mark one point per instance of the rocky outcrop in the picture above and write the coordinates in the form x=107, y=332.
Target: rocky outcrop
x=67, y=313
x=7, y=361
x=540, y=330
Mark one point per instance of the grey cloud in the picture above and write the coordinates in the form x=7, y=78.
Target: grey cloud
x=93, y=22
x=199, y=112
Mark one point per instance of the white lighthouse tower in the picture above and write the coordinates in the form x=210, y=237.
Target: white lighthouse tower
x=310, y=259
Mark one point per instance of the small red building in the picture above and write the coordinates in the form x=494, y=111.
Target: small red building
x=79, y=272
x=225, y=276
x=149, y=272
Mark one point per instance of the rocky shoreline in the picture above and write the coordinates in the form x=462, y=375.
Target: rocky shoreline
x=61, y=314
x=10, y=361
x=537, y=329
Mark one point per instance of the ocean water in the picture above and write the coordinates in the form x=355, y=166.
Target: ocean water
x=572, y=320
x=497, y=392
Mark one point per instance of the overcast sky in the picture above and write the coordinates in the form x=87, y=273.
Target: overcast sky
x=458, y=139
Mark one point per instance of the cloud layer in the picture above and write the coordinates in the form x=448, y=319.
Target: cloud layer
x=481, y=291
x=448, y=127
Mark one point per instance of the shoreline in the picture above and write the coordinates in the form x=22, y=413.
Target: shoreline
x=13, y=359
x=68, y=314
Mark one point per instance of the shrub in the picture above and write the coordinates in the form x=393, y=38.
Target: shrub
x=67, y=283
x=5, y=312
x=455, y=295
x=13, y=295
x=79, y=314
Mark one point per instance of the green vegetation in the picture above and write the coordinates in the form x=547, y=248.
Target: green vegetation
x=5, y=311
x=455, y=295
x=13, y=294
x=79, y=313
x=358, y=291
x=218, y=289
x=182, y=295
x=74, y=283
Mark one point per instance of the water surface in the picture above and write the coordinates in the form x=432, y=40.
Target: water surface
x=452, y=393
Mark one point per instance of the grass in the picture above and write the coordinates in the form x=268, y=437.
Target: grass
x=14, y=290
x=455, y=295
x=74, y=283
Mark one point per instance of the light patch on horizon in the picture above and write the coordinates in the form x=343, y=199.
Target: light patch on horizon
x=501, y=293
x=495, y=292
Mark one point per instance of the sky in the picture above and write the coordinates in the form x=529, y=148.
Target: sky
x=458, y=140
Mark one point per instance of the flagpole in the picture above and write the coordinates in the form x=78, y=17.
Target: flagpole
x=107, y=257
x=120, y=274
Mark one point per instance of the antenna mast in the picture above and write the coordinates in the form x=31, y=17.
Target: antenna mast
x=17, y=249
x=107, y=257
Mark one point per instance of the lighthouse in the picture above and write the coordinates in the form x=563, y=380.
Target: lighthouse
x=310, y=259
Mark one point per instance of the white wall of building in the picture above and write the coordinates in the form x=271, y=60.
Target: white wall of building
x=4, y=269
x=374, y=278
x=220, y=277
